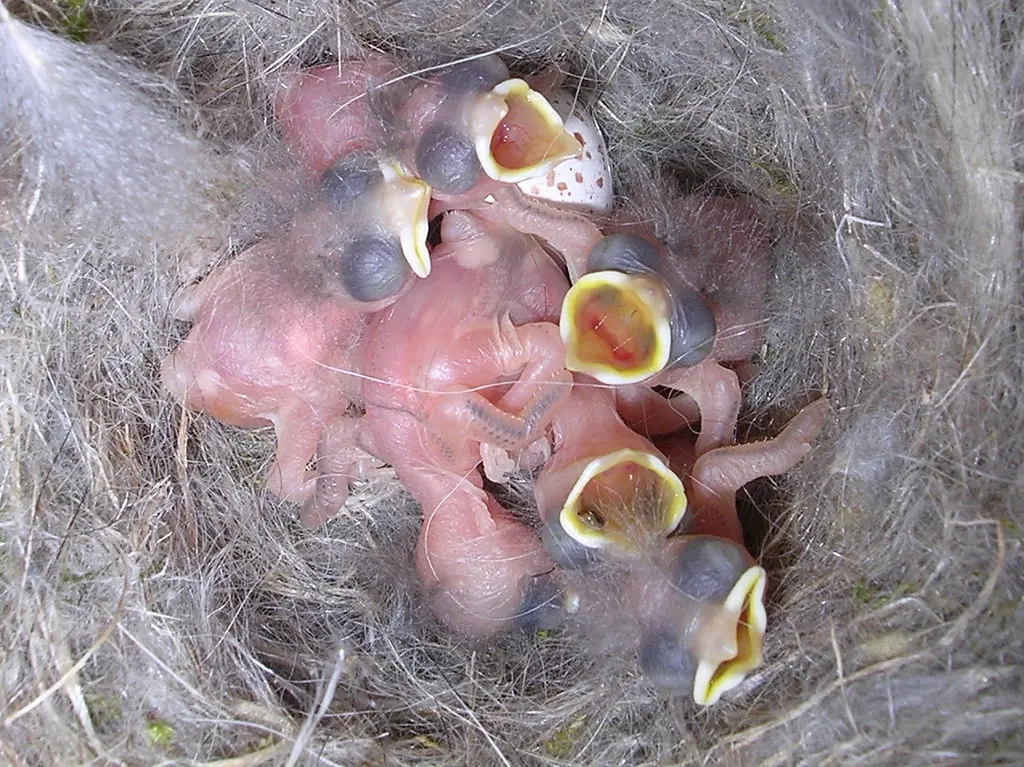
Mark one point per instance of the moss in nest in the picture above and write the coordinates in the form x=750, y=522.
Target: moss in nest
x=863, y=593
x=1012, y=530
x=158, y=732
x=76, y=21
x=104, y=710
x=69, y=576
x=879, y=304
x=891, y=644
x=867, y=594
x=779, y=181
x=1007, y=608
x=155, y=567
x=560, y=745
x=762, y=24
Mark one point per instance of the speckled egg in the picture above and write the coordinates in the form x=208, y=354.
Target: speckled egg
x=583, y=183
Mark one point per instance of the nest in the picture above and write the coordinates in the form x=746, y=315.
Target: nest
x=162, y=607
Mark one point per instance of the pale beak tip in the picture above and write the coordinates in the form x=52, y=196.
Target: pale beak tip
x=420, y=264
x=712, y=681
x=414, y=229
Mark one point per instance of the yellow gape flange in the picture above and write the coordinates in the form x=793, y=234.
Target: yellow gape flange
x=606, y=505
x=731, y=638
x=404, y=200
x=517, y=134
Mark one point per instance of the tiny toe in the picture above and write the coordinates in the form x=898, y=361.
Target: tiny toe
x=497, y=463
x=187, y=301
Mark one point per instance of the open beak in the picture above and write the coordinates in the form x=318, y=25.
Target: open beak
x=730, y=647
x=403, y=202
x=516, y=133
x=615, y=327
x=621, y=496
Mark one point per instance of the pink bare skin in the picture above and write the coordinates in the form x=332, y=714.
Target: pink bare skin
x=713, y=478
x=652, y=414
x=271, y=344
x=467, y=360
x=570, y=233
x=331, y=110
x=635, y=553
x=447, y=352
x=685, y=583
x=275, y=329
x=476, y=563
x=586, y=427
x=721, y=253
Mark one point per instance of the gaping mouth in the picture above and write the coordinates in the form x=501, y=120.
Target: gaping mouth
x=735, y=645
x=616, y=327
x=517, y=134
x=619, y=497
x=404, y=200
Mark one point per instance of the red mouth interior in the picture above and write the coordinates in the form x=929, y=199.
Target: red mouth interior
x=613, y=329
x=523, y=138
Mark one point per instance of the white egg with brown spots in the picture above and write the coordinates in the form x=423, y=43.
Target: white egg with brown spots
x=581, y=183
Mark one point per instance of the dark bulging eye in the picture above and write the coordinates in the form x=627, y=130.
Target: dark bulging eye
x=373, y=268
x=349, y=178
x=563, y=548
x=625, y=253
x=477, y=75
x=666, y=661
x=693, y=327
x=542, y=606
x=447, y=160
x=706, y=568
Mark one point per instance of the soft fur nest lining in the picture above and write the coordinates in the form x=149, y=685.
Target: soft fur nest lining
x=160, y=607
